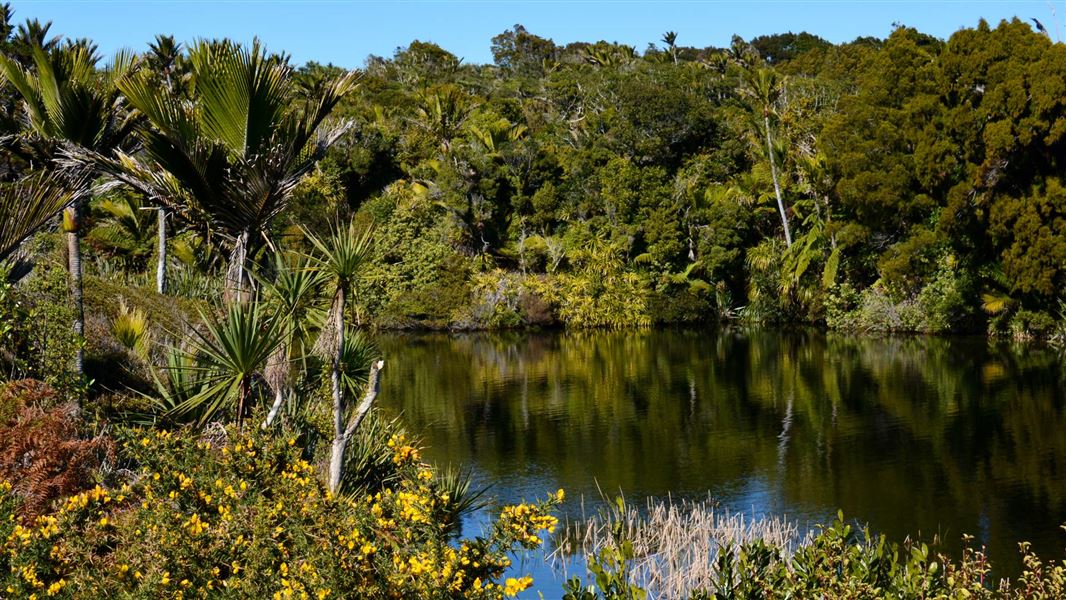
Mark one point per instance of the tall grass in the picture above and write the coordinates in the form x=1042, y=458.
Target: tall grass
x=675, y=543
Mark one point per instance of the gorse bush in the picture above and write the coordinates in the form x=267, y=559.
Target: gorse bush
x=232, y=515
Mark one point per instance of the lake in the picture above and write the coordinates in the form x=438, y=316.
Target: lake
x=917, y=436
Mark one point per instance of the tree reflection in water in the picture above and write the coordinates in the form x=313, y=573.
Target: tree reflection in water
x=914, y=435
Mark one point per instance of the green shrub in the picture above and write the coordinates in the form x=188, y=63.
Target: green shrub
x=35, y=321
x=1027, y=324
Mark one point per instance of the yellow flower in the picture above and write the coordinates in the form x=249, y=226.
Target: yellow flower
x=56, y=587
x=512, y=586
x=195, y=525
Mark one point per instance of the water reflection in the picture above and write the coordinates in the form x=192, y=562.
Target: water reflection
x=913, y=435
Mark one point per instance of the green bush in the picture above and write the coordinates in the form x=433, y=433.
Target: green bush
x=35, y=324
x=1027, y=324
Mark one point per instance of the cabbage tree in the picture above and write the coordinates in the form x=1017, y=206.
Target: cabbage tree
x=341, y=258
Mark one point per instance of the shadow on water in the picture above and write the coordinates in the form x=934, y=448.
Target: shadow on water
x=916, y=436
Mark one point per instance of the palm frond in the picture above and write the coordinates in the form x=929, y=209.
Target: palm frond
x=28, y=205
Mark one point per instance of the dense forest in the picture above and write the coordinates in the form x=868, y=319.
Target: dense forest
x=198, y=240
x=905, y=184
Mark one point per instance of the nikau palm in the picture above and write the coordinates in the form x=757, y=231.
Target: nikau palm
x=764, y=88
x=26, y=207
x=67, y=101
x=227, y=162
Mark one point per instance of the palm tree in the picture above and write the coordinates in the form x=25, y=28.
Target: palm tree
x=27, y=206
x=165, y=60
x=125, y=230
x=764, y=89
x=341, y=257
x=442, y=112
x=68, y=101
x=670, y=39
x=227, y=160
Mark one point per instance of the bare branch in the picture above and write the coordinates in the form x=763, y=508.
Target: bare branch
x=373, y=385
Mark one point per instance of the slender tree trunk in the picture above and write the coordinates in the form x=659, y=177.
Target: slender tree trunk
x=279, y=400
x=72, y=226
x=777, y=187
x=161, y=264
x=237, y=284
x=278, y=373
x=74, y=251
x=336, y=461
x=242, y=392
x=340, y=443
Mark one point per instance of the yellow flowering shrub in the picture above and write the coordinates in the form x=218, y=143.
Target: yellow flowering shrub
x=250, y=518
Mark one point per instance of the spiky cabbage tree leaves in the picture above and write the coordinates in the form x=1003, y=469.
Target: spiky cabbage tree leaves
x=228, y=161
x=294, y=293
x=226, y=363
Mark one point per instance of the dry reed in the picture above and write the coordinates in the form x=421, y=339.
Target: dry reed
x=675, y=543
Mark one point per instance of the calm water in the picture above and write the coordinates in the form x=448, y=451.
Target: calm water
x=915, y=436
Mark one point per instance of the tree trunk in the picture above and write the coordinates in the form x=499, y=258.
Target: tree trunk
x=243, y=392
x=777, y=187
x=72, y=226
x=237, y=284
x=279, y=400
x=161, y=264
x=340, y=442
x=336, y=461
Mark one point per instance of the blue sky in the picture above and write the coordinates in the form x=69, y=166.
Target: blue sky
x=345, y=32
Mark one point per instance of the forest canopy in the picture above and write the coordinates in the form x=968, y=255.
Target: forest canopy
x=906, y=184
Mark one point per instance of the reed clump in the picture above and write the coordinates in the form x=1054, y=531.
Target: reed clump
x=675, y=542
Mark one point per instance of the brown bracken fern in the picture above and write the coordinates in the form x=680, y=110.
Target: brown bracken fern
x=42, y=452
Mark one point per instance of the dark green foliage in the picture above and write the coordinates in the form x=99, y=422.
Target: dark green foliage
x=590, y=185
x=35, y=320
x=503, y=176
